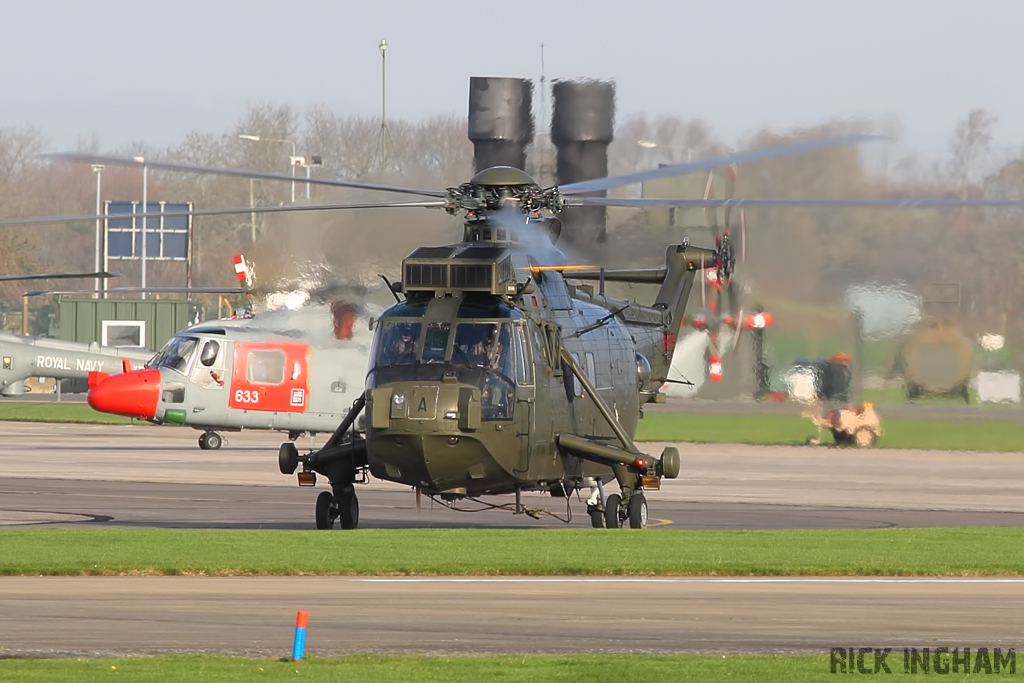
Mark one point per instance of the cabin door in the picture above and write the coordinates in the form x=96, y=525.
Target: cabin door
x=271, y=376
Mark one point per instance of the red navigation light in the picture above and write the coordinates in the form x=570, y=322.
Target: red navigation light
x=641, y=464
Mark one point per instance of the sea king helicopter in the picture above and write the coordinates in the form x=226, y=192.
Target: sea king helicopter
x=495, y=374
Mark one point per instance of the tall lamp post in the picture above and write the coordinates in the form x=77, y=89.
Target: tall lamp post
x=259, y=138
x=98, y=168
x=145, y=207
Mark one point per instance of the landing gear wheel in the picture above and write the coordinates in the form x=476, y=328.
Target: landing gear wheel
x=348, y=509
x=288, y=458
x=865, y=437
x=202, y=443
x=638, y=511
x=596, y=517
x=211, y=441
x=611, y=511
x=324, y=513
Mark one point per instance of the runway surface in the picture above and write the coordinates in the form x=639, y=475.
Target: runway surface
x=255, y=615
x=154, y=476
x=69, y=475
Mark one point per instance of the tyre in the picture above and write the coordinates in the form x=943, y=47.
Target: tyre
x=288, y=458
x=865, y=437
x=213, y=441
x=202, y=442
x=348, y=509
x=596, y=518
x=638, y=511
x=611, y=511
x=324, y=518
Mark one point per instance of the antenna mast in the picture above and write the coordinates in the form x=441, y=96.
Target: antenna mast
x=384, y=137
x=543, y=151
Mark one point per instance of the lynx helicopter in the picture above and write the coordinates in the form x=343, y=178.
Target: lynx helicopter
x=294, y=368
x=23, y=356
x=476, y=382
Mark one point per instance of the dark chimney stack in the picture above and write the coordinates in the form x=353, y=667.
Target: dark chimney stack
x=582, y=126
x=500, y=121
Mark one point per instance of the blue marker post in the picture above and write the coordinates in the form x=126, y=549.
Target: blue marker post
x=300, y=635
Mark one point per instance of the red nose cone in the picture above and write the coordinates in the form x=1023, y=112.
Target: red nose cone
x=132, y=394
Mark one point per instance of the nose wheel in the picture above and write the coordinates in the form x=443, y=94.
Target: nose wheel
x=211, y=441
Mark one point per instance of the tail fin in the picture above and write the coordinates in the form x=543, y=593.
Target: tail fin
x=682, y=264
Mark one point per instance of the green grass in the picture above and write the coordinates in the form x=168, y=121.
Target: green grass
x=987, y=435
x=63, y=411
x=866, y=552
x=508, y=669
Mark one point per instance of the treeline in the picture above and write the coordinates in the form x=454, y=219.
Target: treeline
x=805, y=255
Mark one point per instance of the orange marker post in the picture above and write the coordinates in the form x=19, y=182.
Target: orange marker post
x=301, y=621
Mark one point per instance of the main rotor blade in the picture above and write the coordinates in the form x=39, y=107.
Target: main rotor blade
x=653, y=203
x=599, y=184
x=139, y=290
x=56, y=276
x=237, y=172
x=219, y=212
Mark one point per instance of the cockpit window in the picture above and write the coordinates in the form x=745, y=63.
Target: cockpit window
x=486, y=345
x=435, y=342
x=176, y=354
x=398, y=343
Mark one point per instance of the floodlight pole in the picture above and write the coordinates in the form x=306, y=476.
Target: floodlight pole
x=98, y=168
x=145, y=206
x=383, y=104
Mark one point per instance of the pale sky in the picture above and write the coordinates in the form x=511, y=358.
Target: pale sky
x=140, y=70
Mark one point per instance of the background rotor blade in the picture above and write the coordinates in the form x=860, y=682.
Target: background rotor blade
x=240, y=173
x=599, y=184
x=137, y=290
x=221, y=212
x=654, y=203
x=56, y=276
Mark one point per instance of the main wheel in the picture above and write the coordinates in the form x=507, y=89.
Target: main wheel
x=638, y=511
x=213, y=441
x=324, y=503
x=202, y=442
x=611, y=511
x=348, y=509
x=596, y=518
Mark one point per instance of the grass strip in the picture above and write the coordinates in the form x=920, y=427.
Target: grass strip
x=983, y=435
x=774, y=430
x=507, y=669
x=533, y=552
x=63, y=411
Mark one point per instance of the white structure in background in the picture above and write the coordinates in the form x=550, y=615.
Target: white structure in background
x=802, y=384
x=688, y=363
x=998, y=387
x=992, y=342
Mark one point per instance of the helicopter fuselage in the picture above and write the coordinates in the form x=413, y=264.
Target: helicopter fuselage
x=478, y=405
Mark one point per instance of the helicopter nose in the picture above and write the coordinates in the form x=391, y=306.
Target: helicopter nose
x=132, y=394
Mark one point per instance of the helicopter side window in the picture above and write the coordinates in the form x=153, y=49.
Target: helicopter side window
x=398, y=343
x=208, y=356
x=265, y=367
x=524, y=367
x=435, y=342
